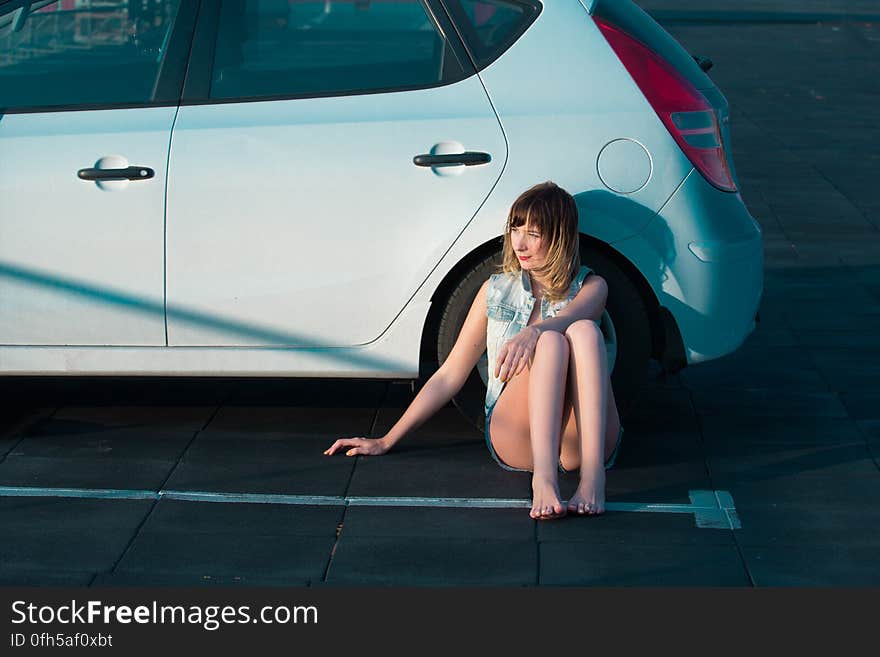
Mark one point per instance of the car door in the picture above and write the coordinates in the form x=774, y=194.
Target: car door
x=323, y=161
x=88, y=95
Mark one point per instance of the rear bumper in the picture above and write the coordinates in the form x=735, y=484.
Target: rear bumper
x=703, y=256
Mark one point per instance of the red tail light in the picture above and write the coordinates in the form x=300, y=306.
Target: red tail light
x=685, y=112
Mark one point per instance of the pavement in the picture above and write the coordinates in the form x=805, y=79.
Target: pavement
x=758, y=469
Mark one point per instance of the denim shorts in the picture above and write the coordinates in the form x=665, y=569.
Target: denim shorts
x=608, y=464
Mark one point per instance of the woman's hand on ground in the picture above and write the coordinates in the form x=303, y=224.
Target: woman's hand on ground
x=356, y=446
x=517, y=353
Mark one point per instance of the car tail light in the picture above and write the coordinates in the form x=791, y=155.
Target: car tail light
x=689, y=117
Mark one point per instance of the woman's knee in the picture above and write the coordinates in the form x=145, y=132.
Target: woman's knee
x=552, y=342
x=584, y=331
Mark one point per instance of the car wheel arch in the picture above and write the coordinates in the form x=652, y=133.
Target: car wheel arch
x=443, y=292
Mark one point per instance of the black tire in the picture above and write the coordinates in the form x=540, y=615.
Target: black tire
x=625, y=325
x=471, y=399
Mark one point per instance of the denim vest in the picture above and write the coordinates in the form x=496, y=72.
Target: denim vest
x=509, y=304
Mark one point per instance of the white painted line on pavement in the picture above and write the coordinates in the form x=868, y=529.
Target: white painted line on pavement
x=711, y=509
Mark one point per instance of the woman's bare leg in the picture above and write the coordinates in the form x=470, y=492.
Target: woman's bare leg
x=532, y=404
x=590, y=398
x=547, y=381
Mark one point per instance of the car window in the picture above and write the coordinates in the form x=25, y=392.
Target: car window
x=63, y=53
x=300, y=48
x=489, y=27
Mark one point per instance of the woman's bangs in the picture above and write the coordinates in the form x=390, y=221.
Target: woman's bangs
x=531, y=212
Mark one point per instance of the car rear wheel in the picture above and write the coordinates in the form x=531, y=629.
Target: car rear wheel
x=624, y=324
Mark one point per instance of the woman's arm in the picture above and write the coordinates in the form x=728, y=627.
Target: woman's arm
x=438, y=390
x=519, y=351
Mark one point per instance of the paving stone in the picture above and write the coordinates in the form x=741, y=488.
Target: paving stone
x=140, y=579
x=771, y=337
x=669, y=484
x=804, y=280
x=851, y=339
x=226, y=555
x=49, y=549
x=758, y=401
x=874, y=449
x=866, y=275
x=446, y=427
x=565, y=563
x=674, y=405
x=308, y=392
x=682, y=431
x=226, y=446
x=438, y=523
x=19, y=420
x=17, y=576
x=806, y=490
x=69, y=514
x=820, y=287
x=778, y=255
x=190, y=517
x=657, y=446
x=853, y=320
x=777, y=430
x=6, y=445
x=849, y=369
x=75, y=419
x=804, y=260
x=283, y=421
x=413, y=561
x=302, y=476
x=854, y=255
x=870, y=429
x=454, y=471
x=660, y=460
x=781, y=367
x=797, y=525
x=619, y=527
x=70, y=439
x=64, y=534
x=832, y=564
x=16, y=422
x=97, y=391
x=752, y=461
x=84, y=472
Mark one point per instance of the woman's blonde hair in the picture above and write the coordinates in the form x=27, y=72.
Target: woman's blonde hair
x=554, y=213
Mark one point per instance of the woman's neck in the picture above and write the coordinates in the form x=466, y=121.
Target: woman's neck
x=538, y=287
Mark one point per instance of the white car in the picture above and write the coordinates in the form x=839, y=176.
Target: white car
x=318, y=189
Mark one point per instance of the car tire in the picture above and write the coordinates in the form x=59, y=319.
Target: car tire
x=624, y=324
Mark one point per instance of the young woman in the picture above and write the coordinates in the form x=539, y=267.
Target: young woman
x=549, y=402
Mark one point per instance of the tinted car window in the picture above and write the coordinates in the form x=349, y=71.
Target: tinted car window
x=489, y=27
x=300, y=48
x=61, y=54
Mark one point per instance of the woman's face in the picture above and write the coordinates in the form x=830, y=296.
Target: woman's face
x=528, y=246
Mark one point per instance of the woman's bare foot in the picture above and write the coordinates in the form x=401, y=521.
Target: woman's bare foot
x=589, y=498
x=546, y=503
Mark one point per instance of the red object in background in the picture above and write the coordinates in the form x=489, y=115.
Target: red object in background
x=483, y=13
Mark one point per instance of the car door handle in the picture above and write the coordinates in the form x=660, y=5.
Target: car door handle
x=128, y=173
x=468, y=158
